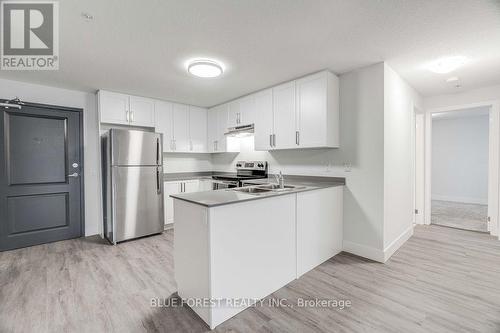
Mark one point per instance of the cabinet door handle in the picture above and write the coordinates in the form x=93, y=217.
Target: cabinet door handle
x=216, y=145
x=131, y=115
x=127, y=116
x=270, y=140
x=274, y=140
x=297, y=137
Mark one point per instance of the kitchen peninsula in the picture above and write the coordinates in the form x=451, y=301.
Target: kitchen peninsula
x=236, y=246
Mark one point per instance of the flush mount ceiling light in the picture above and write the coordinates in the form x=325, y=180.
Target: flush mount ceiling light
x=205, y=68
x=446, y=65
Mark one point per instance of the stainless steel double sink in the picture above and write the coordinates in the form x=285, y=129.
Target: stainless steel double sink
x=266, y=188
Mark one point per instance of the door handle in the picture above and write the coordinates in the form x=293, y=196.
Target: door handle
x=297, y=137
x=270, y=140
x=131, y=115
x=274, y=140
x=127, y=116
x=73, y=175
x=158, y=181
x=157, y=151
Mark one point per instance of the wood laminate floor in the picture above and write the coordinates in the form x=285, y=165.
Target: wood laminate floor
x=460, y=215
x=441, y=280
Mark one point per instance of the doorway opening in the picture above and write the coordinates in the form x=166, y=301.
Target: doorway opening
x=460, y=167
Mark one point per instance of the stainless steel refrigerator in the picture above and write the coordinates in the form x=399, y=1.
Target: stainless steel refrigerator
x=132, y=184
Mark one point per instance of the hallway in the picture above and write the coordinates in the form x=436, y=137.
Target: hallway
x=460, y=215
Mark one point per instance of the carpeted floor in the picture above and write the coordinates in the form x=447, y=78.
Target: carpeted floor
x=460, y=215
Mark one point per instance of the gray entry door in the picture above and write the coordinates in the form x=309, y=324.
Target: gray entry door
x=40, y=187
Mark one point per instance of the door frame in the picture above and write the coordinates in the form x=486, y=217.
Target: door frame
x=493, y=160
x=418, y=200
x=81, y=149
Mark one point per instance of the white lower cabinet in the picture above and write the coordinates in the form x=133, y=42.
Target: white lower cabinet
x=216, y=256
x=206, y=185
x=170, y=188
x=319, y=227
x=176, y=187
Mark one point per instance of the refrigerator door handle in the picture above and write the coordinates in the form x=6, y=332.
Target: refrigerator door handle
x=157, y=151
x=158, y=180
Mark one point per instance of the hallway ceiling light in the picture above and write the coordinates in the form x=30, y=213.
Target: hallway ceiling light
x=205, y=68
x=446, y=65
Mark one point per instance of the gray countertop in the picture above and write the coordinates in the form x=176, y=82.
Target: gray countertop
x=230, y=196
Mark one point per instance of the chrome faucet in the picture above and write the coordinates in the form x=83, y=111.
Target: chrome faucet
x=280, y=180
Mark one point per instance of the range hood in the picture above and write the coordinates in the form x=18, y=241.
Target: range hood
x=240, y=131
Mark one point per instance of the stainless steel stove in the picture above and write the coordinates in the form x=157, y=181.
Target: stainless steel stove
x=245, y=170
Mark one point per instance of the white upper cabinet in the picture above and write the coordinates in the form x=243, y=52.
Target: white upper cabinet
x=233, y=113
x=163, y=124
x=212, y=129
x=142, y=111
x=184, y=127
x=264, y=128
x=197, y=129
x=221, y=143
x=247, y=110
x=180, y=131
x=284, y=113
x=124, y=109
x=113, y=108
x=304, y=114
x=318, y=111
x=241, y=111
x=217, y=126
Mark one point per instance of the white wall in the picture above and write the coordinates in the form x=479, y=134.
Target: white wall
x=70, y=98
x=460, y=159
x=400, y=101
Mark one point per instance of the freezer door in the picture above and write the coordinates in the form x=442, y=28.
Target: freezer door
x=137, y=201
x=129, y=147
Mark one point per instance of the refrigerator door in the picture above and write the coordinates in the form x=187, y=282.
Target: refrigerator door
x=131, y=148
x=137, y=201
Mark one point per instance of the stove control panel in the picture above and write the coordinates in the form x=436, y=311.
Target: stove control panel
x=251, y=165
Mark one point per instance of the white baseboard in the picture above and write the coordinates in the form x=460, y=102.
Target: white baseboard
x=363, y=251
x=377, y=254
x=396, y=244
x=472, y=200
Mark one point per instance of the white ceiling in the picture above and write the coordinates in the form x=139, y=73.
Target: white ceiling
x=140, y=47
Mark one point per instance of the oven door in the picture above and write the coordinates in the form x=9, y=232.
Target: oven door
x=221, y=184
